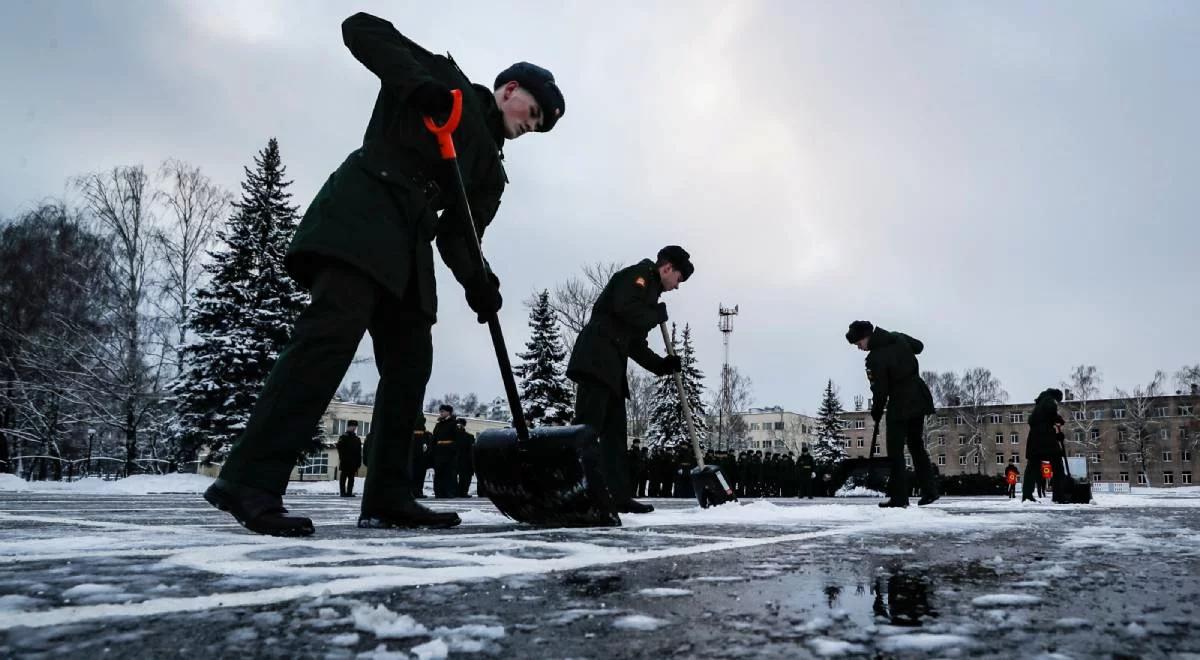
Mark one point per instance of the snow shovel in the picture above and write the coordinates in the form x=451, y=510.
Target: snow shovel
x=708, y=483
x=550, y=477
x=870, y=472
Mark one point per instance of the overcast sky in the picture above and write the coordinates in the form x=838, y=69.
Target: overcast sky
x=1013, y=183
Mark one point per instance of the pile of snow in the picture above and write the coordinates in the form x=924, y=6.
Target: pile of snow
x=826, y=647
x=138, y=484
x=858, y=491
x=664, y=592
x=639, y=622
x=386, y=624
x=1005, y=600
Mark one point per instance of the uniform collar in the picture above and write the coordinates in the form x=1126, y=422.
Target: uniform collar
x=492, y=116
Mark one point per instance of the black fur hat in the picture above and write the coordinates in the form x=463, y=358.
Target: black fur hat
x=859, y=330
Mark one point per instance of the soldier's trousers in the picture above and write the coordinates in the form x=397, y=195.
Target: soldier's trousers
x=346, y=302
x=603, y=410
x=445, y=478
x=346, y=479
x=909, y=433
x=464, y=480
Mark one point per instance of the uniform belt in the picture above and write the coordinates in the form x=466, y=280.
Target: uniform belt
x=445, y=442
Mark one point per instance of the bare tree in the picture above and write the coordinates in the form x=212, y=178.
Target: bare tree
x=1083, y=387
x=123, y=375
x=194, y=207
x=1139, y=431
x=980, y=391
x=641, y=395
x=572, y=300
x=727, y=403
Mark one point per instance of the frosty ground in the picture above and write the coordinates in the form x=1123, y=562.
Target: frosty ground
x=111, y=568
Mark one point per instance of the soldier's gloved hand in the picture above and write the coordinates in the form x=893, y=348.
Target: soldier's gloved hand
x=671, y=364
x=662, y=312
x=432, y=98
x=483, y=296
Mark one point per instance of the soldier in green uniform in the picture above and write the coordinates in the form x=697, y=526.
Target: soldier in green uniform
x=364, y=251
x=896, y=386
x=624, y=313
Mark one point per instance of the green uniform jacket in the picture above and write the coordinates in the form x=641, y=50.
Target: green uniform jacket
x=374, y=211
x=895, y=377
x=624, y=313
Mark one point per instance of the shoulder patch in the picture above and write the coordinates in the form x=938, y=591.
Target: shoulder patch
x=640, y=281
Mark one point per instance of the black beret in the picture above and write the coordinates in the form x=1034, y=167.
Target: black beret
x=446, y=408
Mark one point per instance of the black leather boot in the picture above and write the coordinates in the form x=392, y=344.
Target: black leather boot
x=633, y=506
x=406, y=513
x=256, y=509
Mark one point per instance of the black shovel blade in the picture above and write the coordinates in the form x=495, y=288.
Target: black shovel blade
x=553, y=479
x=710, y=486
x=872, y=472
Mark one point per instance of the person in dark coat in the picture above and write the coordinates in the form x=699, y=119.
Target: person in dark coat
x=1039, y=444
x=349, y=449
x=421, y=458
x=364, y=250
x=464, y=449
x=623, y=314
x=806, y=466
x=1012, y=474
x=445, y=458
x=897, y=387
x=636, y=467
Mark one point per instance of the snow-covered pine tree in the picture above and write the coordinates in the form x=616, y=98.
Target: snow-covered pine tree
x=667, y=427
x=243, y=316
x=546, y=396
x=829, y=447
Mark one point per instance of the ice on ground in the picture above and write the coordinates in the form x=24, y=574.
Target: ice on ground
x=889, y=551
x=571, y=616
x=921, y=642
x=1072, y=622
x=242, y=635
x=1031, y=584
x=382, y=652
x=817, y=624
x=1005, y=600
x=1135, y=630
x=386, y=624
x=828, y=648
x=639, y=622
x=435, y=649
x=719, y=578
x=482, y=517
x=664, y=592
x=89, y=589
x=18, y=602
x=348, y=639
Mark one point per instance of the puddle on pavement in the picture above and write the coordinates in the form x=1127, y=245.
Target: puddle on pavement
x=899, y=597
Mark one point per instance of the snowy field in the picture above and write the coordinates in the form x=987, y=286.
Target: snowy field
x=144, y=568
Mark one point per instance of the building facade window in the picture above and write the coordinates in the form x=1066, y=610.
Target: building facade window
x=958, y=419
x=861, y=443
x=858, y=423
x=877, y=451
x=1164, y=434
x=962, y=460
x=1167, y=456
x=1122, y=458
x=975, y=459
x=962, y=439
x=1017, y=418
x=1077, y=415
x=941, y=441
x=941, y=459
x=1141, y=478
x=1097, y=415
x=1168, y=478
x=1078, y=435
x=999, y=459
x=999, y=438
x=1096, y=476
x=318, y=464
x=1186, y=476
x=1094, y=458
x=1095, y=435
x=1124, y=477
x=1186, y=455
x=1185, y=409
x=1118, y=413
x=1016, y=459
x=996, y=418
x=941, y=420
x=1161, y=411
x=1014, y=438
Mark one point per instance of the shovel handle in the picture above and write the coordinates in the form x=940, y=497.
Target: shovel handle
x=874, y=440
x=445, y=132
x=446, y=146
x=683, y=399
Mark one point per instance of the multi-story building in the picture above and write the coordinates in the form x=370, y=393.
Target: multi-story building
x=775, y=429
x=1139, y=442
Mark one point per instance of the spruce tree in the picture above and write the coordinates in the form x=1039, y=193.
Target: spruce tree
x=546, y=397
x=667, y=427
x=829, y=447
x=243, y=316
